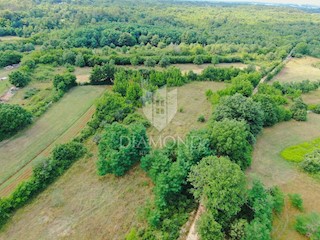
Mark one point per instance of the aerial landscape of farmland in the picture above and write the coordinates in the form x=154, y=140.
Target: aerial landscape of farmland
x=159, y=119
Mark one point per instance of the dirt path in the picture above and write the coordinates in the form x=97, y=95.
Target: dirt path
x=273, y=170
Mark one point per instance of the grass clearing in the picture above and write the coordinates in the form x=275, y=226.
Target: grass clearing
x=299, y=69
x=272, y=169
x=312, y=97
x=45, y=131
x=11, y=38
x=296, y=153
x=80, y=205
x=192, y=103
x=82, y=74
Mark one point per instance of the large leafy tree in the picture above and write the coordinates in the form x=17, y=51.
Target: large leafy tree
x=230, y=138
x=221, y=187
x=103, y=74
x=240, y=108
x=12, y=119
x=19, y=78
x=120, y=147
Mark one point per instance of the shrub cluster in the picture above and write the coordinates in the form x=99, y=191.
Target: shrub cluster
x=311, y=162
x=12, y=119
x=120, y=147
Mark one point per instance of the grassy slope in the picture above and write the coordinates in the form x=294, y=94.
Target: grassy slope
x=80, y=205
x=273, y=170
x=33, y=141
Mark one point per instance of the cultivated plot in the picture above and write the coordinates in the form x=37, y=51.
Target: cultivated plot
x=30, y=145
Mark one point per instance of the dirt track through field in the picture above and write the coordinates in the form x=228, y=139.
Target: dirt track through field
x=273, y=170
x=39, y=140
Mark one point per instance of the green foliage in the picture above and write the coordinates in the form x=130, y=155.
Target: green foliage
x=132, y=235
x=299, y=110
x=64, y=82
x=164, y=62
x=174, y=77
x=111, y=107
x=309, y=225
x=230, y=138
x=237, y=229
x=311, y=162
x=316, y=109
x=12, y=119
x=278, y=199
x=80, y=61
x=9, y=58
x=219, y=74
x=296, y=201
x=19, y=78
x=121, y=147
x=302, y=48
x=295, y=89
x=103, y=74
x=221, y=187
x=201, y=118
x=261, y=202
x=150, y=62
x=136, y=118
x=298, y=152
x=198, y=60
x=208, y=228
x=240, y=108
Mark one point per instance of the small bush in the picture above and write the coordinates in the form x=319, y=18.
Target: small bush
x=278, y=199
x=311, y=162
x=30, y=92
x=296, y=201
x=201, y=118
x=309, y=225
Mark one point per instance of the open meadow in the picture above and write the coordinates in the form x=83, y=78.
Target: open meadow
x=272, y=169
x=299, y=69
x=55, y=126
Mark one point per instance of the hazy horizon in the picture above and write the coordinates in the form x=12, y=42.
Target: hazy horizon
x=301, y=2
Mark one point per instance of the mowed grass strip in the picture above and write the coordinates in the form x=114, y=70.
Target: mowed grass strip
x=16, y=152
x=296, y=153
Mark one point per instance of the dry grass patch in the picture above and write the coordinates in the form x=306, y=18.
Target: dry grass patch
x=312, y=97
x=83, y=74
x=192, y=103
x=269, y=166
x=80, y=205
x=299, y=69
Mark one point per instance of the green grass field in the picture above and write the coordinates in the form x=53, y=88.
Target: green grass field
x=272, y=169
x=28, y=146
x=296, y=153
